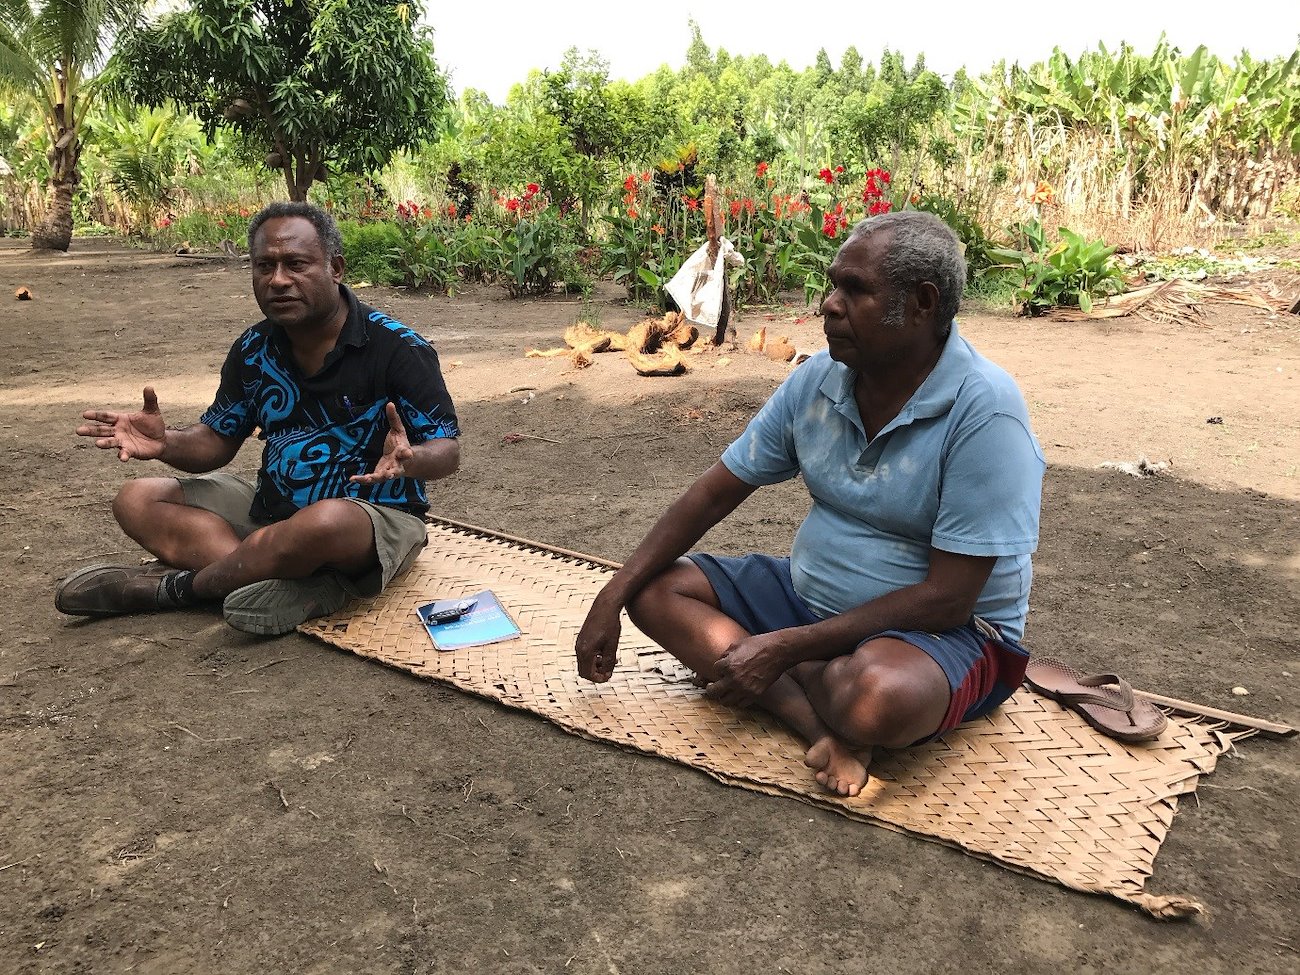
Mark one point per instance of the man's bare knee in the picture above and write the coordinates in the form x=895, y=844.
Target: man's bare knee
x=134, y=499
x=333, y=532
x=876, y=703
x=682, y=578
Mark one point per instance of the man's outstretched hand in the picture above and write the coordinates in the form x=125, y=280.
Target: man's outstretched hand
x=397, y=451
x=135, y=436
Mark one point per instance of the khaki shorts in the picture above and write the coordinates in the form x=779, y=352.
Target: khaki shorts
x=399, y=535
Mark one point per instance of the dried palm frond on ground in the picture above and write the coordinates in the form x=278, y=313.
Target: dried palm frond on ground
x=1170, y=301
x=1141, y=468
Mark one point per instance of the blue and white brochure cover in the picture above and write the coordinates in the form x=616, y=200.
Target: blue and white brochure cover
x=487, y=622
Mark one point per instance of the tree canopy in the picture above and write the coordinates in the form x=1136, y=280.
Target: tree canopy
x=310, y=83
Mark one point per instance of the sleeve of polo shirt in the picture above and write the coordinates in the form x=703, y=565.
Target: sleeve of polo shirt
x=765, y=453
x=232, y=413
x=991, y=490
x=415, y=385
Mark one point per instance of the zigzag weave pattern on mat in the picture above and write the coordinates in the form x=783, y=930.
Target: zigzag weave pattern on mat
x=1031, y=787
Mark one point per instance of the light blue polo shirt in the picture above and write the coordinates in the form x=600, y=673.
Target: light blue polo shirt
x=958, y=470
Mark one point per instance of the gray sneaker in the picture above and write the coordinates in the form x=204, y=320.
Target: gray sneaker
x=277, y=606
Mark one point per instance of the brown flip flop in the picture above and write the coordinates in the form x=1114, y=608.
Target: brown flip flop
x=1105, y=701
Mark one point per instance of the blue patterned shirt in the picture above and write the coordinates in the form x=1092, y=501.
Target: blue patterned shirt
x=322, y=429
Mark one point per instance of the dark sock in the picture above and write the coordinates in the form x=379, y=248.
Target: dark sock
x=177, y=589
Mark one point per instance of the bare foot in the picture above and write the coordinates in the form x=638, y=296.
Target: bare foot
x=837, y=768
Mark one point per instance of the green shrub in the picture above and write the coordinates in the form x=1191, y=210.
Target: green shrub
x=536, y=250
x=424, y=258
x=368, y=250
x=978, y=248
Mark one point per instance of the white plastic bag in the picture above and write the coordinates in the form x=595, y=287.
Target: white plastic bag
x=697, y=288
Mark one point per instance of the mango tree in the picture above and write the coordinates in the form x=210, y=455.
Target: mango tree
x=306, y=83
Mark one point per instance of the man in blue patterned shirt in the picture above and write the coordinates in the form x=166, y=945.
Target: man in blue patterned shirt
x=355, y=417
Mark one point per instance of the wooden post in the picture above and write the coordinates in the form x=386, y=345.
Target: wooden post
x=713, y=222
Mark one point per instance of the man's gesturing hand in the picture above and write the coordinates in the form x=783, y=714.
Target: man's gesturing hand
x=139, y=436
x=747, y=669
x=397, y=451
x=597, y=644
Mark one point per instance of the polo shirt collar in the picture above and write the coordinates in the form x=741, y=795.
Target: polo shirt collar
x=934, y=397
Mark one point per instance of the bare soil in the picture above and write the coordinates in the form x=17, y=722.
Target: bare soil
x=178, y=797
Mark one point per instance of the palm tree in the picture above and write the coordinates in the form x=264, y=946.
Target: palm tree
x=51, y=49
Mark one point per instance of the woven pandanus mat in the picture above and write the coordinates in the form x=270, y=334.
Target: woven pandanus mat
x=1031, y=787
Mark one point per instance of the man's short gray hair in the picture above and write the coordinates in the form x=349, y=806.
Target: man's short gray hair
x=922, y=248
x=327, y=231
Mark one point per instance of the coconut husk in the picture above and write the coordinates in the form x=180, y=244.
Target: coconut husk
x=654, y=346
x=23, y=294
x=683, y=333
x=779, y=350
x=582, y=359
x=547, y=353
x=758, y=339
x=668, y=361
x=585, y=338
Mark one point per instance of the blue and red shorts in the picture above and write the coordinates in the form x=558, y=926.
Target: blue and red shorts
x=983, y=667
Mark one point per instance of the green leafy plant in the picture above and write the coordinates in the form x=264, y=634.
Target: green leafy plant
x=368, y=248
x=424, y=257
x=537, y=248
x=975, y=242
x=1071, y=272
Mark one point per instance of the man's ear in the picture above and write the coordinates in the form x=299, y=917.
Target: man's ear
x=337, y=266
x=925, y=299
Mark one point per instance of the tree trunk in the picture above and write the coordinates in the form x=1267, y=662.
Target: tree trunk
x=55, y=230
x=300, y=172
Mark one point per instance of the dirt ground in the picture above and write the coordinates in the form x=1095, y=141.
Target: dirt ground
x=178, y=797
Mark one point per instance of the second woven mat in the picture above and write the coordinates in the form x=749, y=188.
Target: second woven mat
x=1031, y=786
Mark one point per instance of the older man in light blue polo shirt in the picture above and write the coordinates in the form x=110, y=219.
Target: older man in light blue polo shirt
x=898, y=613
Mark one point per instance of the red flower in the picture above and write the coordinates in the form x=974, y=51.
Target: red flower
x=512, y=204
x=762, y=170
x=451, y=210
x=879, y=207
x=656, y=228
x=645, y=177
x=827, y=176
x=427, y=212
x=243, y=211
x=691, y=202
x=749, y=206
x=632, y=213
x=629, y=184
x=532, y=189
x=735, y=209
x=839, y=169
x=221, y=223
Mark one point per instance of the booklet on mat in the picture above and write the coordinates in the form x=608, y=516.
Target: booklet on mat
x=484, y=621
